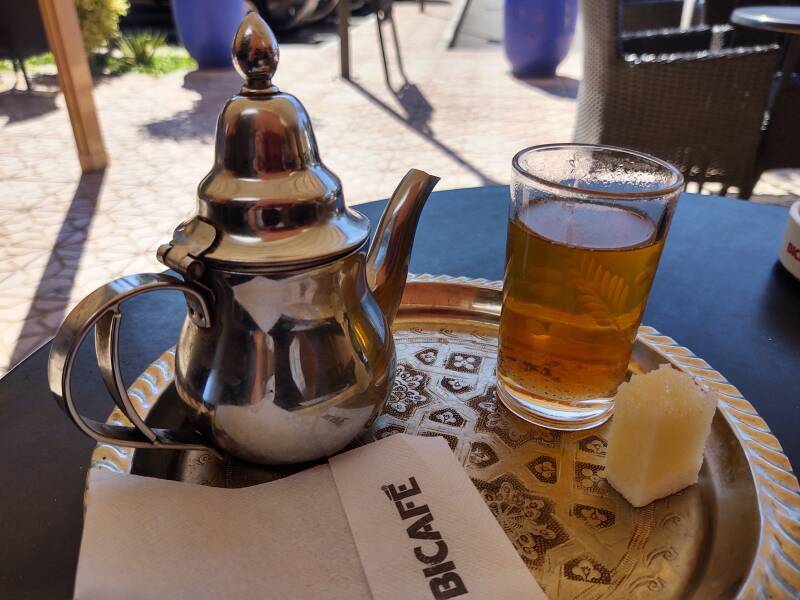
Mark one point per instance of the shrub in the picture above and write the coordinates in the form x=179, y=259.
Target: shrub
x=139, y=50
x=100, y=21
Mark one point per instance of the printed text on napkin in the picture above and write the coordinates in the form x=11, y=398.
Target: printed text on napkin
x=421, y=528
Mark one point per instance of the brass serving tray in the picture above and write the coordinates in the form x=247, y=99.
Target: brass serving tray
x=735, y=533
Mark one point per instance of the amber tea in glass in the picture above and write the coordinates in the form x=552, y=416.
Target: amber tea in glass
x=586, y=228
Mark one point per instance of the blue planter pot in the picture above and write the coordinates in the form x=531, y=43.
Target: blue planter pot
x=537, y=34
x=207, y=29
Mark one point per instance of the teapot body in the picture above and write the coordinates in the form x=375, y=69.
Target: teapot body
x=294, y=365
x=286, y=354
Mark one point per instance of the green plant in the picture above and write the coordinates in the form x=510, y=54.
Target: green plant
x=100, y=21
x=140, y=50
x=171, y=58
x=165, y=59
x=31, y=62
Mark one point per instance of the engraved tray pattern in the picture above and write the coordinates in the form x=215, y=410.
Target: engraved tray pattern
x=738, y=529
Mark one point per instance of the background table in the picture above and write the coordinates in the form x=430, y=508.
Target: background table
x=781, y=19
x=719, y=291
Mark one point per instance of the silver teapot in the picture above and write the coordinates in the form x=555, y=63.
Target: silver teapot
x=286, y=353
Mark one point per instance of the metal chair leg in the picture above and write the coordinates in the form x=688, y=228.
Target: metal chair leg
x=383, y=50
x=461, y=18
x=24, y=73
x=19, y=66
x=746, y=189
x=397, y=49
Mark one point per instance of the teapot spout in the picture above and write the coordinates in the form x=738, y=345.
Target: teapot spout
x=387, y=261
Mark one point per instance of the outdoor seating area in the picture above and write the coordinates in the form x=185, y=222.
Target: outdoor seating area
x=441, y=248
x=651, y=91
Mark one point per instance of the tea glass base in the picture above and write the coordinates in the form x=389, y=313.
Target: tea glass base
x=552, y=414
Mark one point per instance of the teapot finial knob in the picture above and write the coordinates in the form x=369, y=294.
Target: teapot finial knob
x=255, y=54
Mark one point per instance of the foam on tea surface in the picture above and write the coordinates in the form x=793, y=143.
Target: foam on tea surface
x=591, y=226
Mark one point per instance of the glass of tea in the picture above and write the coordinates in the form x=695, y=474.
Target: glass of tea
x=586, y=228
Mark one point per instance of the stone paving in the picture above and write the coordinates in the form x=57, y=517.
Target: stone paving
x=460, y=115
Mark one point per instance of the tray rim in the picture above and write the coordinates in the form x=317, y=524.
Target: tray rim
x=776, y=564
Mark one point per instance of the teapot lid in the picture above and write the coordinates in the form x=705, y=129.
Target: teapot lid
x=269, y=197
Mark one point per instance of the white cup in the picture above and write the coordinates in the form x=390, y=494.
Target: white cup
x=789, y=251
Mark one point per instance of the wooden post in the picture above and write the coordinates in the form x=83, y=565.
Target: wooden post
x=344, y=38
x=60, y=20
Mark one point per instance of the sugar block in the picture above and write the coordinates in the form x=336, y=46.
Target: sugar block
x=656, y=438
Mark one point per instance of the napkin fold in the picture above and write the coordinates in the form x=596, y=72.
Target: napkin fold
x=151, y=538
x=396, y=519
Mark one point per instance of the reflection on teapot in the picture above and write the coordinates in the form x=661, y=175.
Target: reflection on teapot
x=286, y=353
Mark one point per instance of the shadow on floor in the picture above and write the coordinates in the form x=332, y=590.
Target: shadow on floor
x=21, y=105
x=562, y=87
x=416, y=106
x=418, y=113
x=199, y=123
x=53, y=292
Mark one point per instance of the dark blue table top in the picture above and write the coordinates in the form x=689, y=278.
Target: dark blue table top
x=719, y=291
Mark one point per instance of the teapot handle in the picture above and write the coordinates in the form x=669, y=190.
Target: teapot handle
x=101, y=309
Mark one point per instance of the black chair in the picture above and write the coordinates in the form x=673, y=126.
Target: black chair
x=779, y=147
x=689, y=97
x=638, y=15
x=22, y=33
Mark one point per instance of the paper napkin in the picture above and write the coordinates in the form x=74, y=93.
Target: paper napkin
x=397, y=519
